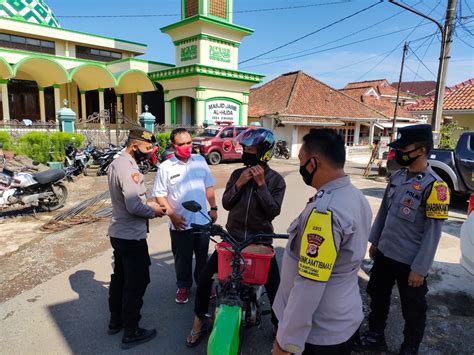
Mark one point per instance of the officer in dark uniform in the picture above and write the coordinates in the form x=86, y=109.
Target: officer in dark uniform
x=128, y=231
x=404, y=239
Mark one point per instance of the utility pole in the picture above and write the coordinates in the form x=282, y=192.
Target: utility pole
x=443, y=66
x=405, y=49
x=446, y=35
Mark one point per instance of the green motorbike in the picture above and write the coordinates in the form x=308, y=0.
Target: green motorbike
x=242, y=272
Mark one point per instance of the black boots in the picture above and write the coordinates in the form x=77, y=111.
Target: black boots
x=407, y=349
x=138, y=336
x=371, y=341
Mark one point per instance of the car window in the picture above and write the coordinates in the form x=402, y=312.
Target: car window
x=240, y=130
x=227, y=133
x=209, y=133
x=471, y=142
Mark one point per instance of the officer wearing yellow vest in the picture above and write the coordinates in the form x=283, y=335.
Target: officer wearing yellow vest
x=318, y=303
x=404, y=239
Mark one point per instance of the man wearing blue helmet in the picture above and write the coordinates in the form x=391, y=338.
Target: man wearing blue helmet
x=253, y=197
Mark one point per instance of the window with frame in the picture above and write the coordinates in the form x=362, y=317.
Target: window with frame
x=97, y=54
x=218, y=8
x=227, y=133
x=27, y=43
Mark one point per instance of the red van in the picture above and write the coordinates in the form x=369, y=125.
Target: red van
x=217, y=143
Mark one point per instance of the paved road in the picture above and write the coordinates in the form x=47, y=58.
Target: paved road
x=68, y=312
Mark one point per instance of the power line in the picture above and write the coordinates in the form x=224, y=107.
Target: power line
x=228, y=12
x=312, y=33
x=419, y=64
x=463, y=41
x=397, y=46
x=421, y=61
x=373, y=56
x=338, y=39
x=410, y=69
x=335, y=47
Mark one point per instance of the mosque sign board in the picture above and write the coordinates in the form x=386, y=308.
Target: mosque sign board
x=222, y=111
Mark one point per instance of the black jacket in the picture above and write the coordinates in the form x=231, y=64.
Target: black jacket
x=253, y=208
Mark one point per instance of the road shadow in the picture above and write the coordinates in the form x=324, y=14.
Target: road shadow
x=450, y=316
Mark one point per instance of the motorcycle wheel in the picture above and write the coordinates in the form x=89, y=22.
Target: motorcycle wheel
x=287, y=155
x=84, y=171
x=144, y=167
x=60, y=196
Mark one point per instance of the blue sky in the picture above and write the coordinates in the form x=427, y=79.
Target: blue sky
x=373, y=59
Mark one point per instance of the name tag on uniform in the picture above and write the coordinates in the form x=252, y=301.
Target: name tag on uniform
x=318, y=249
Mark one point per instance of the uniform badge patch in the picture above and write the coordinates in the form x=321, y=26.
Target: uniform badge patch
x=408, y=202
x=417, y=186
x=437, y=204
x=406, y=211
x=136, y=178
x=314, y=242
x=320, y=194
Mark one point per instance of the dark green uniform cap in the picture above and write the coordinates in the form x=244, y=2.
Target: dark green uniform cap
x=413, y=134
x=141, y=134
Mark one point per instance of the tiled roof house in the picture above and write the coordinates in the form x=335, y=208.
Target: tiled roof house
x=458, y=105
x=295, y=102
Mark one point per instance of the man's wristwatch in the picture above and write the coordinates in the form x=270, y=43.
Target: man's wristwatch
x=214, y=208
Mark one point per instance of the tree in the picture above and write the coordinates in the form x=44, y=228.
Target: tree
x=449, y=135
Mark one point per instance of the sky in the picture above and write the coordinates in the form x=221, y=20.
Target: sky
x=370, y=58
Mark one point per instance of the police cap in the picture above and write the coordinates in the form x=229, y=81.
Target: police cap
x=141, y=134
x=413, y=134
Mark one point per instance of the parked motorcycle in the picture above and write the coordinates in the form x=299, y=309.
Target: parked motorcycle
x=242, y=272
x=75, y=161
x=281, y=149
x=44, y=190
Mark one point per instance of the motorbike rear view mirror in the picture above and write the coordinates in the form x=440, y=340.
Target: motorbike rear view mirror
x=35, y=162
x=192, y=206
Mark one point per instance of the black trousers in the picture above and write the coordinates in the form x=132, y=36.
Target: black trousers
x=384, y=274
x=338, y=349
x=129, y=281
x=184, y=244
x=203, y=292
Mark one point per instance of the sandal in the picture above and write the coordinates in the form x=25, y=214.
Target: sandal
x=197, y=335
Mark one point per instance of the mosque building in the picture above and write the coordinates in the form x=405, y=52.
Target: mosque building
x=41, y=64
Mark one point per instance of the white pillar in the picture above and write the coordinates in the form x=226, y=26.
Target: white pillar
x=200, y=112
x=83, y=107
x=245, y=114
x=371, y=132
x=5, y=105
x=357, y=133
x=101, y=107
x=119, y=103
x=167, y=113
x=57, y=99
x=294, y=142
x=139, y=104
x=42, y=104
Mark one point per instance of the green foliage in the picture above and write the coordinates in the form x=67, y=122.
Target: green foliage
x=41, y=146
x=5, y=139
x=163, y=139
x=449, y=135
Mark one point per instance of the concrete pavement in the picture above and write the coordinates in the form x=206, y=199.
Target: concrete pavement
x=68, y=314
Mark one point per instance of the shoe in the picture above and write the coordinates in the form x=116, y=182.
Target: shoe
x=182, y=295
x=197, y=336
x=407, y=349
x=370, y=341
x=114, y=327
x=139, y=336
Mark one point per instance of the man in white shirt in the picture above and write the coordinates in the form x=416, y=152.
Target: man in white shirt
x=185, y=177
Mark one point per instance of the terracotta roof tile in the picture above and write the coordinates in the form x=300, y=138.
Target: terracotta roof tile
x=459, y=97
x=380, y=104
x=420, y=88
x=298, y=94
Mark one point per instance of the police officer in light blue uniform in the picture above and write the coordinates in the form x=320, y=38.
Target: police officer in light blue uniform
x=404, y=239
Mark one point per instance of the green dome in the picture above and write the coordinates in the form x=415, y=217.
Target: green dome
x=35, y=11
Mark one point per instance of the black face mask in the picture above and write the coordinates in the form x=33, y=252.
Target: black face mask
x=140, y=156
x=308, y=176
x=403, y=158
x=250, y=159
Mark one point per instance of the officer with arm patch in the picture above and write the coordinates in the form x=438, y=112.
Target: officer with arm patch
x=128, y=232
x=318, y=303
x=404, y=239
